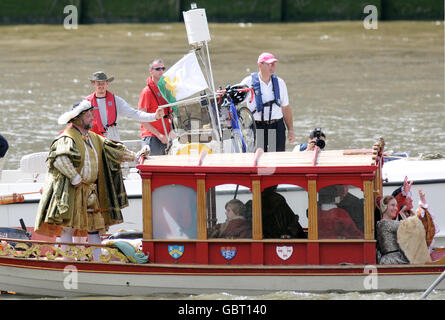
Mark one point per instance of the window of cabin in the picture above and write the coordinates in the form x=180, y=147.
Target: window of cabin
x=229, y=212
x=174, y=212
x=284, y=212
x=340, y=212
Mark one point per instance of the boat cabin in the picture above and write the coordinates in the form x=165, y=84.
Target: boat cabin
x=329, y=196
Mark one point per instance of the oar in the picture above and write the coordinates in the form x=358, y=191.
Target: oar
x=435, y=284
x=15, y=197
x=34, y=192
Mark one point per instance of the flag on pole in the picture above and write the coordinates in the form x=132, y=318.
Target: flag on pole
x=182, y=80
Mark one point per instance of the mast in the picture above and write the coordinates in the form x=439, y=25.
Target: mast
x=198, y=37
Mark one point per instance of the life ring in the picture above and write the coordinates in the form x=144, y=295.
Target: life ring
x=196, y=146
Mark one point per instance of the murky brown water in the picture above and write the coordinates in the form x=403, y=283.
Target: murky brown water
x=356, y=84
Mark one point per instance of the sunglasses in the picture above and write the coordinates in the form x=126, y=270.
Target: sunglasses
x=159, y=69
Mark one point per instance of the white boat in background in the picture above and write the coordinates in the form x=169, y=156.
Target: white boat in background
x=428, y=175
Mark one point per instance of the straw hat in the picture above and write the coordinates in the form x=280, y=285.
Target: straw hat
x=100, y=76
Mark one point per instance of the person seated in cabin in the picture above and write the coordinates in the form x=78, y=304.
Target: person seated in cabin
x=278, y=219
x=334, y=222
x=236, y=224
x=316, y=138
x=401, y=241
x=353, y=205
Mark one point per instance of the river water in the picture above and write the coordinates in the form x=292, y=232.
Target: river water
x=356, y=84
x=282, y=295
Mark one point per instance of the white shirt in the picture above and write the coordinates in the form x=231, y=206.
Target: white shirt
x=267, y=95
x=124, y=109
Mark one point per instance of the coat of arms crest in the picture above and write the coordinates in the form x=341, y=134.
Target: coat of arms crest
x=228, y=252
x=176, y=251
x=284, y=252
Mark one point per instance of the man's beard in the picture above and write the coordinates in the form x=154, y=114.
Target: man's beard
x=88, y=126
x=82, y=124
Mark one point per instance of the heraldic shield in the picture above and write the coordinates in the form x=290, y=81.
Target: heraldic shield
x=284, y=252
x=228, y=252
x=176, y=251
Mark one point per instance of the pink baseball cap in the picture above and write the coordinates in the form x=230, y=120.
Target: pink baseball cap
x=267, y=58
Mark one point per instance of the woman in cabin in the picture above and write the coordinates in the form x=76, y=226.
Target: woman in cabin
x=236, y=225
x=405, y=241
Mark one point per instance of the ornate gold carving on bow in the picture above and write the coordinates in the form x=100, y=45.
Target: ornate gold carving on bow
x=72, y=252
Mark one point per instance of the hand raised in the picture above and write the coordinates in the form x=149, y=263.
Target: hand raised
x=407, y=185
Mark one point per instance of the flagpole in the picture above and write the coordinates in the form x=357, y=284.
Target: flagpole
x=214, y=93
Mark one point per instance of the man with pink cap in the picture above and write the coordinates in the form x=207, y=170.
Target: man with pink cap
x=270, y=107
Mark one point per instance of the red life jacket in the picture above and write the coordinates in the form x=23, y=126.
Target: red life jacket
x=110, y=102
x=149, y=100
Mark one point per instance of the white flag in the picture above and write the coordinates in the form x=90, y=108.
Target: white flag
x=183, y=79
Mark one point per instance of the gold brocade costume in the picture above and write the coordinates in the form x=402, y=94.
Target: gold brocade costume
x=97, y=202
x=428, y=224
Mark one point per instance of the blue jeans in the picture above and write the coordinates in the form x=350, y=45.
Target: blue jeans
x=156, y=146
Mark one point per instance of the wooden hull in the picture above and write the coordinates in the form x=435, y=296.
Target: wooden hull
x=56, y=278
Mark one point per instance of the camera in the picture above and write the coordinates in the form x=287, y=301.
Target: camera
x=317, y=133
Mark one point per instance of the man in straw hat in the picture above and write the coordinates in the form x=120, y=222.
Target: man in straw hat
x=84, y=190
x=107, y=106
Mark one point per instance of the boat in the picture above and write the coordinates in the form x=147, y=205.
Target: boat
x=179, y=209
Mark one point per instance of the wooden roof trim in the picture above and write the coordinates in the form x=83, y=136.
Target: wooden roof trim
x=258, y=153
x=202, y=155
